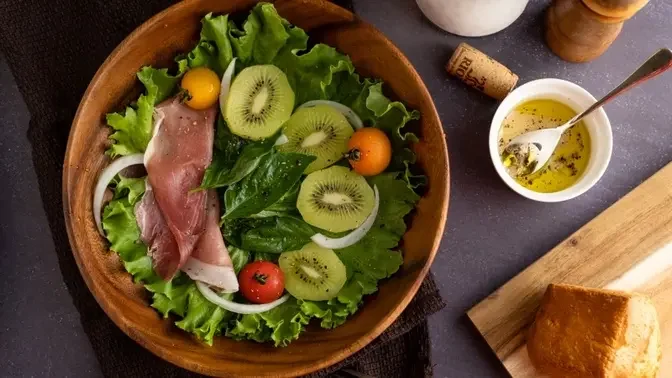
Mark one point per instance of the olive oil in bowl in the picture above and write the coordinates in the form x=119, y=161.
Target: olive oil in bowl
x=570, y=158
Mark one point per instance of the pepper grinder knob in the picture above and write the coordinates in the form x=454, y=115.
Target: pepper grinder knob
x=582, y=30
x=623, y=9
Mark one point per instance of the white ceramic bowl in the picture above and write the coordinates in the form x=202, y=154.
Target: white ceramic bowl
x=472, y=18
x=576, y=98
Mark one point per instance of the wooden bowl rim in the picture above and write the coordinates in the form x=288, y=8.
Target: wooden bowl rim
x=173, y=356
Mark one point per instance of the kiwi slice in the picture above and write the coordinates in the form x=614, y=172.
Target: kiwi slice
x=260, y=101
x=320, y=131
x=312, y=273
x=335, y=199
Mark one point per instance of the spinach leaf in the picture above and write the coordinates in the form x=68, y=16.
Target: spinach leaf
x=276, y=174
x=233, y=229
x=286, y=234
x=249, y=159
x=261, y=256
x=230, y=162
x=284, y=207
x=226, y=152
x=227, y=142
x=203, y=55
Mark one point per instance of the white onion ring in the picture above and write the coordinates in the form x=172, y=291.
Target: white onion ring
x=239, y=308
x=349, y=114
x=356, y=235
x=282, y=139
x=226, y=84
x=105, y=177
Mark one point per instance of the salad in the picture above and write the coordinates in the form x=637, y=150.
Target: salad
x=275, y=185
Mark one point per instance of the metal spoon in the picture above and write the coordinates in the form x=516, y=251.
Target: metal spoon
x=546, y=140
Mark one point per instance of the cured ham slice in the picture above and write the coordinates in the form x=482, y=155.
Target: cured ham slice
x=210, y=261
x=181, y=226
x=176, y=158
x=154, y=232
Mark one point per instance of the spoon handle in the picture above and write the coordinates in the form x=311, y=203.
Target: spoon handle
x=654, y=66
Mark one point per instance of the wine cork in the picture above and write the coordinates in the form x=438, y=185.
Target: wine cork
x=480, y=71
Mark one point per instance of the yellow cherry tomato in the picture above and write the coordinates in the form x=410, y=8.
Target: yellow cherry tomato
x=369, y=151
x=202, y=86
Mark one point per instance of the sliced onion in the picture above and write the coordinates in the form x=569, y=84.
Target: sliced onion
x=356, y=235
x=349, y=114
x=282, y=139
x=105, y=177
x=239, y=308
x=226, y=83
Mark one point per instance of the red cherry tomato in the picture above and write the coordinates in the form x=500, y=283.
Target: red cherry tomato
x=261, y=282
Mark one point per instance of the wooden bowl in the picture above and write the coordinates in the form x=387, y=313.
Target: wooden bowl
x=156, y=42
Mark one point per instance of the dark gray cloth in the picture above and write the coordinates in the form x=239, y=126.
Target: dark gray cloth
x=54, y=48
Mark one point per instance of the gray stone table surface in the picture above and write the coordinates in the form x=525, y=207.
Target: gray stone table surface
x=491, y=234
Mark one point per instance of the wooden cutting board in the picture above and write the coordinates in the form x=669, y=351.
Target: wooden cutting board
x=627, y=247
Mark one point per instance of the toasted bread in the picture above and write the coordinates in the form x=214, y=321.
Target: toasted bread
x=591, y=333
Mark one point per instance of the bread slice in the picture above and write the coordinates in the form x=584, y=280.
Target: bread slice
x=590, y=333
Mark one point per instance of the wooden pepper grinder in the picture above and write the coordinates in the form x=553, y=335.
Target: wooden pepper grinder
x=582, y=30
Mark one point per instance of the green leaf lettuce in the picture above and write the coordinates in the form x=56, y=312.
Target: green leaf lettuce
x=133, y=127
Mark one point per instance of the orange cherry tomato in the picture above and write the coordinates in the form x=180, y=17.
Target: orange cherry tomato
x=261, y=282
x=369, y=151
x=202, y=86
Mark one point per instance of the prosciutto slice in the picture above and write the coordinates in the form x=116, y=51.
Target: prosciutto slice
x=210, y=261
x=154, y=232
x=181, y=226
x=176, y=158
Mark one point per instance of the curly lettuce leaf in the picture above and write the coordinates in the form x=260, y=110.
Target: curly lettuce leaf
x=122, y=231
x=213, y=49
x=133, y=127
x=239, y=257
x=130, y=187
x=280, y=325
x=202, y=318
x=263, y=36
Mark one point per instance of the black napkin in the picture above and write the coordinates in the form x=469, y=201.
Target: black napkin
x=54, y=48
